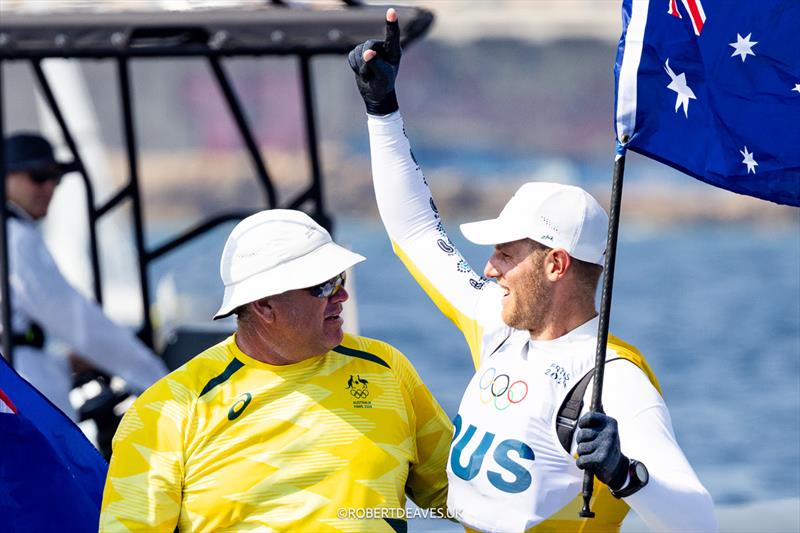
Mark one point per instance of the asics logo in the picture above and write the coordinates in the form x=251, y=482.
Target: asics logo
x=239, y=406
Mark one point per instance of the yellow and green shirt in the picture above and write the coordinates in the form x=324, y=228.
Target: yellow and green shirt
x=229, y=443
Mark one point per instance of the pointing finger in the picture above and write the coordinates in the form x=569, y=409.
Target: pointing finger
x=391, y=42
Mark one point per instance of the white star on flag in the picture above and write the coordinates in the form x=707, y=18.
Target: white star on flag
x=796, y=87
x=743, y=46
x=749, y=161
x=682, y=89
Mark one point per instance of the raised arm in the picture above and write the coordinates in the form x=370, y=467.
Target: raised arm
x=404, y=199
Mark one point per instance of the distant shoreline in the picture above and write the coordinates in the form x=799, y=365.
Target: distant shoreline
x=188, y=185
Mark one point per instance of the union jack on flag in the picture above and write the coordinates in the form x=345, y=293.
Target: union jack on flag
x=712, y=88
x=695, y=11
x=6, y=405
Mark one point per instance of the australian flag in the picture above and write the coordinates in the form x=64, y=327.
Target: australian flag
x=51, y=477
x=712, y=88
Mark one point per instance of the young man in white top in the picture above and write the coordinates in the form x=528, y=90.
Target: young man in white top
x=532, y=332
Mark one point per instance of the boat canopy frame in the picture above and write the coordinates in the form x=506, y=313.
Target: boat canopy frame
x=215, y=35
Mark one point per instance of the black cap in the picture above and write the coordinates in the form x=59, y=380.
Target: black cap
x=31, y=152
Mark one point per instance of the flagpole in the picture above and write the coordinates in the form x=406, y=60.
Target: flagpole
x=7, y=341
x=605, y=311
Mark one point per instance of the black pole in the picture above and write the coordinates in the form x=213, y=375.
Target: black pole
x=313, y=144
x=244, y=129
x=5, y=289
x=44, y=85
x=130, y=142
x=195, y=232
x=605, y=312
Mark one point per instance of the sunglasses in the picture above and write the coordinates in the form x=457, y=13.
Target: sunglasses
x=328, y=288
x=43, y=176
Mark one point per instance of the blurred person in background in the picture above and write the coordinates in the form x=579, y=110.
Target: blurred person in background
x=532, y=333
x=288, y=425
x=45, y=306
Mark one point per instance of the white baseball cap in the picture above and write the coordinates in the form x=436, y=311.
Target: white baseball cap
x=275, y=251
x=552, y=214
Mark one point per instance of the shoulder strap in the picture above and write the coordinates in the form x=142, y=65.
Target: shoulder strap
x=567, y=417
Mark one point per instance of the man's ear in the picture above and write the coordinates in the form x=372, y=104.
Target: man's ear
x=557, y=263
x=264, y=309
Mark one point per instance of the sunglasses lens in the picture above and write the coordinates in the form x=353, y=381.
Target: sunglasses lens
x=44, y=177
x=329, y=288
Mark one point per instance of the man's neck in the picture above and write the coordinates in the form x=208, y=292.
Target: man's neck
x=562, y=325
x=261, y=347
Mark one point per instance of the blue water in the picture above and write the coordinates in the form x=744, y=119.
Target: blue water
x=715, y=309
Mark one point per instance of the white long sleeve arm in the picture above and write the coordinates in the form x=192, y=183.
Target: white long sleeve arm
x=40, y=291
x=674, y=499
x=418, y=235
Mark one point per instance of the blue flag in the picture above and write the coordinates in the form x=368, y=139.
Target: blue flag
x=51, y=477
x=712, y=88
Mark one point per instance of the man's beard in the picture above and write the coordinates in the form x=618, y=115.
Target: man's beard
x=532, y=301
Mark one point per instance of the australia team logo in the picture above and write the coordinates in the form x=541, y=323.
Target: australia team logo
x=359, y=390
x=501, y=390
x=357, y=387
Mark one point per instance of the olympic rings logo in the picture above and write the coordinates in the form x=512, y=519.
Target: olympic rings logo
x=360, y=394
x=500, y=390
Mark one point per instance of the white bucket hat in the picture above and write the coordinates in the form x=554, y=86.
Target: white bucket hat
x=275, y=251
x=555, y=215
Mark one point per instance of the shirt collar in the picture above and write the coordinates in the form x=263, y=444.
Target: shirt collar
x=585, y=332
x=21, y=213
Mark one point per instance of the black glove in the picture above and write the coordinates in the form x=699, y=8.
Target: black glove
x=599, y=451
x=375, y=78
